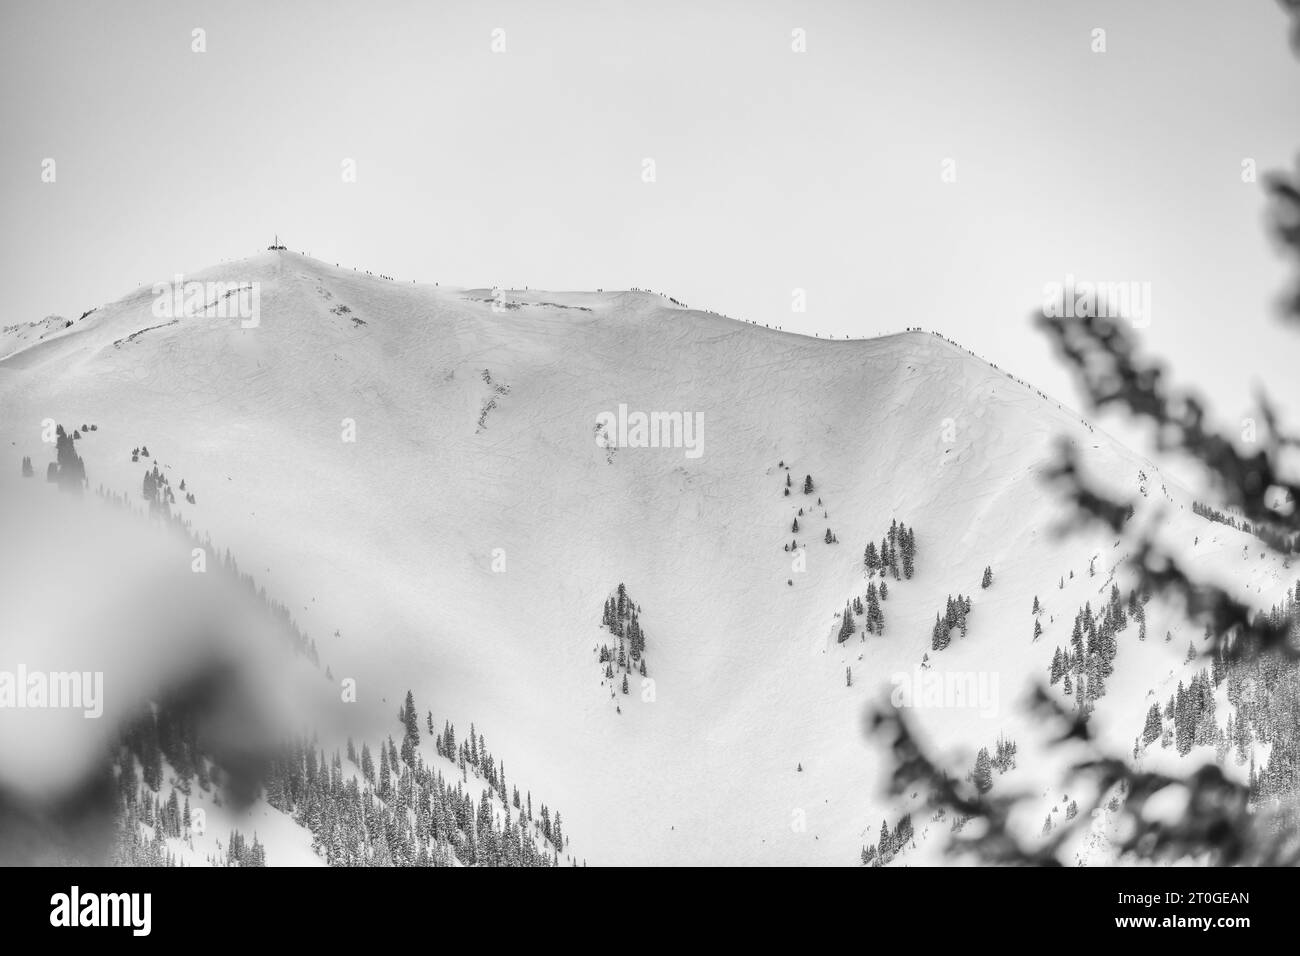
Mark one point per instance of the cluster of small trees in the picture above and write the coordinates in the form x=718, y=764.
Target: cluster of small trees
x=869, y=609
x=952, y=619
x=1264, y=707
x=1071, y=811
x=142, y=830
x=808, y=488
x=164, y=738
x=1279, y=541
x=789, y=483
x=157, y=490
x=1002, y=760
x=1004, y=756
x=890, y=844
x=1263, y=689
x=398, y=810
x=404, y=812
x=1190, y=711
x=239, y=852
x=1084, y=666
x=622, y=619
x=896, y=555
x=67, y=471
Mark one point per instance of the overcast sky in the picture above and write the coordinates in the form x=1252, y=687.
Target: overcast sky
x=774, y=169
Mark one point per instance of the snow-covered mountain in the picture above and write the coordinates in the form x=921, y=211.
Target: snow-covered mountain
x=425, y=477
x=14, y=338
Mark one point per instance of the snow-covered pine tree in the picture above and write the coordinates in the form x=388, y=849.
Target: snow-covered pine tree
x=982, y=775
x=1153, y=727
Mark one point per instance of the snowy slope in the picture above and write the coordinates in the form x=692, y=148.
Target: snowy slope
x=14, y=338
x=390, y=539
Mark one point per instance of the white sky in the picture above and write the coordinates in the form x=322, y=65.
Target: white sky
x=775, y=170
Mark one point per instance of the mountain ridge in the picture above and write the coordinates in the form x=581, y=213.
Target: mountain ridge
x=473, y=433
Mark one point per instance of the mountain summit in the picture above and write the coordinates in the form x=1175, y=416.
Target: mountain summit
x=446, y=487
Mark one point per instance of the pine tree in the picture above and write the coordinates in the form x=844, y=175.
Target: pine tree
x=870, y=559
x=807, y=484
x=875, y=616
x=385, y=775
x=1058, y=666
x=982, y=776
x=70, y=470
x=846, y=625
x=988, y=577
x=940, y=636
x=411, y=721
x=1151, y=731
